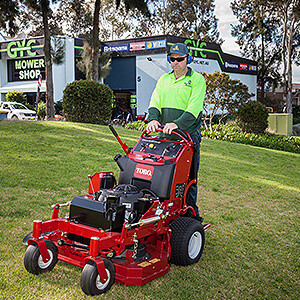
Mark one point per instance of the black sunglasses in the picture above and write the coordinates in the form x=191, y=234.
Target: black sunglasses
x=179, y=59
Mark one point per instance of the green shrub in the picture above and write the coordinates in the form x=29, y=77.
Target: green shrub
x=41, y=112
x=87, y=101
x=15, y=96
x=137, y=125
x=252, y=117
x=30, y=106
x=232, y=133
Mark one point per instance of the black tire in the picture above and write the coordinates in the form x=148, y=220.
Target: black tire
x=14, y=118
x=33, y=261
x=90, y=280
x=187, y=241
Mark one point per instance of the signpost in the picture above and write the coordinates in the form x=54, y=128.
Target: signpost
x=38, y=92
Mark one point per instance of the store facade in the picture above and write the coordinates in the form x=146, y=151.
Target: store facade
x=136, y=66
x=23, y=61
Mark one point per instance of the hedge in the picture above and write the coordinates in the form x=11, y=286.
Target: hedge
x=232, y=134
x=87, y=101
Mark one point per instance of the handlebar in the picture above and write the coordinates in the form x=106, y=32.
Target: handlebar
x=123, y=145
x=180, y=133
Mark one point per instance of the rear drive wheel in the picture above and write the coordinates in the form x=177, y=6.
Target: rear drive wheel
x=90, y=280
x=187, y=241
x=33, y=260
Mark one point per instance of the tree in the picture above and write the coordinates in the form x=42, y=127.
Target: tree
x=258, y=37
x=188, y=18
x=76, y=16
x=9, y=16
x=85, y=64
x=158, y=23
x=288, y=11
x=223, y=96
x=195, y=19
x=141, y=5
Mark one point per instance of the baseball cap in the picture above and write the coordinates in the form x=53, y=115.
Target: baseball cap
x=179, y=48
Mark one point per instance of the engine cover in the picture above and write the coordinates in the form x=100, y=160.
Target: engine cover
x=94, y=213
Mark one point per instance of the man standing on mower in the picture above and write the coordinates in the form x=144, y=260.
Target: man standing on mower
x=177, y=102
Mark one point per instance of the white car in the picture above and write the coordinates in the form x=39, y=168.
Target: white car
x=18, y=111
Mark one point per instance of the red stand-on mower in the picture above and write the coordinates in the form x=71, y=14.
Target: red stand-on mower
x=127, y=232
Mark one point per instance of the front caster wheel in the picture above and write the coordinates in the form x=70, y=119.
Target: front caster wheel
x=90, y=280
x=33, y=260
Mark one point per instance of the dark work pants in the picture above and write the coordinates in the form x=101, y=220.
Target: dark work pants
x=192, y=195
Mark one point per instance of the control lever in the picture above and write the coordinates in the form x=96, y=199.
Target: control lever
x=167, y=149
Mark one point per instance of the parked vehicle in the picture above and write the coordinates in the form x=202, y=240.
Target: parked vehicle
x=18, y=111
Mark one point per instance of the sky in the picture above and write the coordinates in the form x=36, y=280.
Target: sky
x=226, y=17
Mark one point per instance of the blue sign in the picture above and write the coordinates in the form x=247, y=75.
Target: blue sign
x=252, y=68
x=116, y=48
x=232, y=65
x=156, y=44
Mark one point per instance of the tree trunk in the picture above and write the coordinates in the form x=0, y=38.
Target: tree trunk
x=284, y=55
x=262, y=94
x=289, y=95
x=95, y=42
x=49, y=81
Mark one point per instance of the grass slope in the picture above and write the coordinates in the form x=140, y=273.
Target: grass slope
x=250, y=196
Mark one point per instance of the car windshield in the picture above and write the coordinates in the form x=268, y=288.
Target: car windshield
x=18, y=106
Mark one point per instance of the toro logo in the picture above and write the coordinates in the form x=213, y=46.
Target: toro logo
x=143, y=171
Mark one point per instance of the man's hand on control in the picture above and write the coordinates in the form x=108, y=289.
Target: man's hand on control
x=169, y=127
x=152, y=126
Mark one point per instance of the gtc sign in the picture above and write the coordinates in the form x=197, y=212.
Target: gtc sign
x=18, y=48
x=196, y=47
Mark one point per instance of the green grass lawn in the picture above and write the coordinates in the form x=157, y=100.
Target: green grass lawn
x=250, y=196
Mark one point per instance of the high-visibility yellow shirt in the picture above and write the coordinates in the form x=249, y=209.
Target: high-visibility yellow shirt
x=179, y=100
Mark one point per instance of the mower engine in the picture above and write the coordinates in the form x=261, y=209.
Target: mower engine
x=110, y=208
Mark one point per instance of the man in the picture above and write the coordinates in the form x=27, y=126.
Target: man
x=177, y=102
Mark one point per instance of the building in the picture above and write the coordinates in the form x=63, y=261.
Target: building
x=22, y=61
x=136, y=66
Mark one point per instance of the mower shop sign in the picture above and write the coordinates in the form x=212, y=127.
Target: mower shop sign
x=143, y=171
x=26, y=69
x=137, y=46
x=116, y=48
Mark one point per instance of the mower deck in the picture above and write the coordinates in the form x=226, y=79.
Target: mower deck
x=141, y=272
